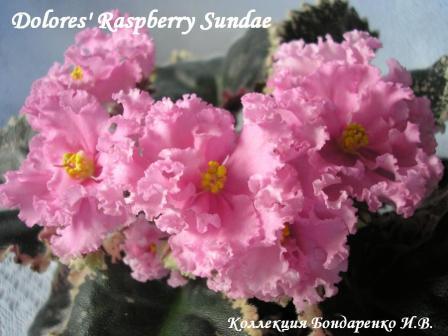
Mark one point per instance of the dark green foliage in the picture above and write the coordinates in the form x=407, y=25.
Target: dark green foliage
x=15, y=232
x=327, y=17
x=432, y=82
x=199, y=77
x=219, y=81
x=245, y=63
x=54, y=314
x=268, y=311
x=199, y=311
x=14, y=139
x=113, y=303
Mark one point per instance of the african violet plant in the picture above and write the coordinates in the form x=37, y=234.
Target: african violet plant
x=144, y=184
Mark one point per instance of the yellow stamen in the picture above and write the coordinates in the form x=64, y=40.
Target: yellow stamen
x=353, y=138
x=214, y=178
x=152, y=248
x=77, y=73
x=78, y=165
x=286, y=233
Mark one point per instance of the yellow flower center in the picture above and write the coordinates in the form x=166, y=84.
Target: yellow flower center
x=214, y=178
x=354, y=137
x=78, y=165
x=152, y=248
x=286, y=233
x=77, y=73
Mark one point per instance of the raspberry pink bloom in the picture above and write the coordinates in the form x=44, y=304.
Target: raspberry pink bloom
x=56, y=184
x=374, y=138
x=144, y=246
x=145, y=134
x=301, y=246
x=214, y=193
x=295, y=60
x=217, y=197
x=103, y=63
x=121, y=152
x=304, y=262
x=100, y=63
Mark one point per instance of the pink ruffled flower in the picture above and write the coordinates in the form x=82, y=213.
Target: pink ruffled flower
x=121, y=154
x=303, y=263
x=100, y=63
x=215, y=202
x=317, y=249
x=57, y=183
x=215, y=194
x=372, y=139
x=144, y=246
x=143, y=133
x=301, y=247
x=296, y=60
x=210, y=231
x=148, y=145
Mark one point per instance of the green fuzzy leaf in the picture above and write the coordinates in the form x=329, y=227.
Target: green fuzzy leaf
x=53, y=316
x=15, y=232
x=270, y=311
x=14, y=138
x=433, y=83
x=199, y=311
x=244, y=66
x=334, y=17
x=199, y=77
x=218, y=80
x=113, y=303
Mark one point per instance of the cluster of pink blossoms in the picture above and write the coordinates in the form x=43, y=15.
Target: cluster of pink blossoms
x=264, y=212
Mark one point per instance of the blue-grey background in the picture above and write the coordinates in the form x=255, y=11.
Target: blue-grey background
x=413, y=31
